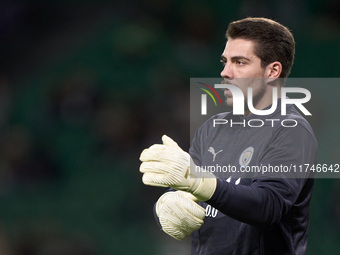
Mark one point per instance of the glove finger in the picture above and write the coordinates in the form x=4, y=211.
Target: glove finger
x=171, y=219
x=177, y=234
x=157, y=147
x=165, y=155
x=174, y=217
x=183, y=222
x=154, y=167
x=169, y=142
x=182, y=203
x=150, y=180
x=163, y=174
x=172, y=225
x=183, y=208
x=168, y=171
x=183, y=219
x=161, y=201
x=155, y=153
x=194, y=209
x=158, y=180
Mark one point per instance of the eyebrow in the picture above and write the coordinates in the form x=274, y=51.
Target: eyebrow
x=235, y=58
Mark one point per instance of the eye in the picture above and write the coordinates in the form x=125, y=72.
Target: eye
x=223, y=61
x=240, y=62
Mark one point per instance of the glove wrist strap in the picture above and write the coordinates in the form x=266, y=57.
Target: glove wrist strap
x=205, y=183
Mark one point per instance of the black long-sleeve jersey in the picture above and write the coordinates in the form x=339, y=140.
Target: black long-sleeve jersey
x=263, y=213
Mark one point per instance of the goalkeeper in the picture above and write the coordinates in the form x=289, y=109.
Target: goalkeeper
x=237, y=215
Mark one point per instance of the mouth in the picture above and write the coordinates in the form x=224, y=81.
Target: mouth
x=227, y=93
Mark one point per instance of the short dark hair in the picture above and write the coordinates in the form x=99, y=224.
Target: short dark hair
x=273, y=41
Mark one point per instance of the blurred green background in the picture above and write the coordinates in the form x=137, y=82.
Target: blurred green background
x=85, y=87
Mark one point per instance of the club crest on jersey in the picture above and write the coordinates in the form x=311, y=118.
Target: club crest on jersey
x=246, y=156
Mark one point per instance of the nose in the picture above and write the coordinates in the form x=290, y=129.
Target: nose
x=227, y=71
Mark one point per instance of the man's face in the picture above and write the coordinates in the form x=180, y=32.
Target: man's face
x=240, y=61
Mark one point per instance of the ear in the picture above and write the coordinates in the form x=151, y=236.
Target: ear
x=273, y=70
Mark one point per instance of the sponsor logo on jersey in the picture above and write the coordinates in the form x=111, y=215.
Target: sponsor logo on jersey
x=212, y=151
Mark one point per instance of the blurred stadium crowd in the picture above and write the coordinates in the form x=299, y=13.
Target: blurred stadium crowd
x=84, y=88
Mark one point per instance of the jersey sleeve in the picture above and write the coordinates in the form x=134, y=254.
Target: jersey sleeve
x=195, y=149
x=266, y=200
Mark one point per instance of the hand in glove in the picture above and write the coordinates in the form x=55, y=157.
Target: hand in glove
x=167, y=165
x=178, y=214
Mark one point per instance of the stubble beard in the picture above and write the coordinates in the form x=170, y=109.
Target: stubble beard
x=256, y=97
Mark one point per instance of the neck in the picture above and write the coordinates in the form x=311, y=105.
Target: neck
x=266, y=100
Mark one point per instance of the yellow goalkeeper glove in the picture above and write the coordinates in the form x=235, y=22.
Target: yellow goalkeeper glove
x=178, y=214
x=167, y=165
